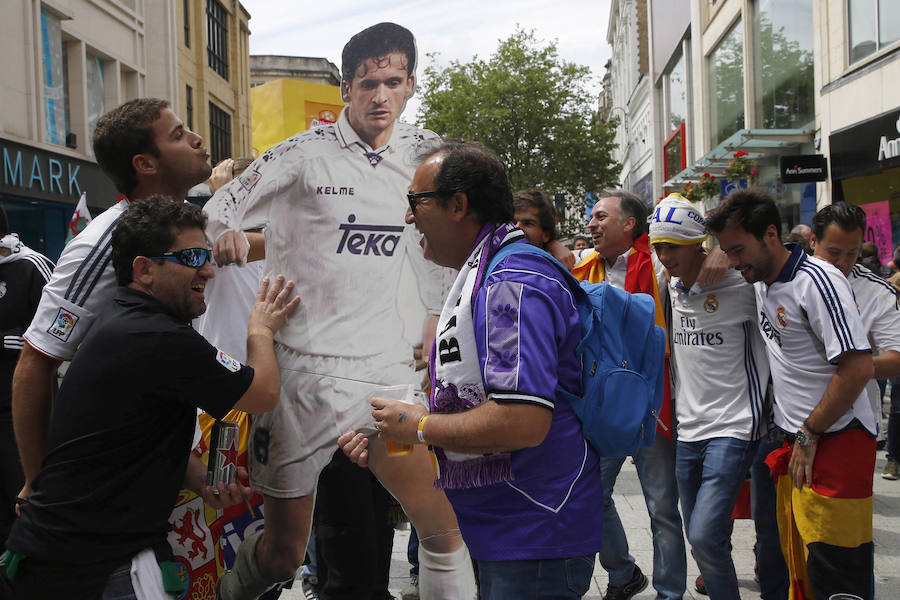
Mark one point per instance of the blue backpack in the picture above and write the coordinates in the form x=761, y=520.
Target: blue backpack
x=622, y=356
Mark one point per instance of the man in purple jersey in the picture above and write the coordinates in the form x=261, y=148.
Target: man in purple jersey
x=509, y=450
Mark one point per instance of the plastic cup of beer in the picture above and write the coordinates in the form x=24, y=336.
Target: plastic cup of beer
x=401, y=393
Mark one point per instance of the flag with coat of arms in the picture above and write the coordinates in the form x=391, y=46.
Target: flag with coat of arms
x=80, y=218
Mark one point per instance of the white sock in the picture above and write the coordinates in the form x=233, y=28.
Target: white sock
x=446, y=576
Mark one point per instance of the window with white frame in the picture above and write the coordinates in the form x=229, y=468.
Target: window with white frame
x=96, y=93
x=54, y=78
x=726, y=85
x=873, y=24
x=217, y=37
x=783, y=50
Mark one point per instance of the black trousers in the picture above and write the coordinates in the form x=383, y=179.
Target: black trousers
x=11, y=477
x=354, y=533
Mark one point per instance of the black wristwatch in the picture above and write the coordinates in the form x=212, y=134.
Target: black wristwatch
x=803, y=438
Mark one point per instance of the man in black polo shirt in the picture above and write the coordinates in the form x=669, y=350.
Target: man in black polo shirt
x=123, y=424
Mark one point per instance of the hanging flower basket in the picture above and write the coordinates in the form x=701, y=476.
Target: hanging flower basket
x=707, y=187
x=741, y=167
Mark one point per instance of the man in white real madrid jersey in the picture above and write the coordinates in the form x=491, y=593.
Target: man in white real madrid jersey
x=837, y=236
x=331, y=201
x=145, y=149
x=720, y=376
x=821, y=361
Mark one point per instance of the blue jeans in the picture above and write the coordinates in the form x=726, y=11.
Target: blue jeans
x=710, y=474
x=773, y=572
x=535, y=579
x=656, y=471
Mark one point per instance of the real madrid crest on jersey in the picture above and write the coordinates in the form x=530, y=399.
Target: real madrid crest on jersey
x=2, y=288
x=711, y=305
x=780, y=318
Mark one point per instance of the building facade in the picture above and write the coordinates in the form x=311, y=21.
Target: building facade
x=68, y=62
x=799, y=92
x=626, y=95
x=213, y=71
x=268, y=67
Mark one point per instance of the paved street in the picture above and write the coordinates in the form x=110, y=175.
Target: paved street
x=634, y=516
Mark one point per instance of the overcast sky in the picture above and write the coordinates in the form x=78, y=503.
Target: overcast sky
x=457, y=29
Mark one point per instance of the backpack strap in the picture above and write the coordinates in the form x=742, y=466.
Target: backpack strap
x=528, y=247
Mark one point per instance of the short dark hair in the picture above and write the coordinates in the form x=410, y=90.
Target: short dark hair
x=753, y=209
x=533, y=198
x=846, y=216
x=631, y=206
x=148, y=227
x=471, y=168
x=4, y=222
x=377, y=42
x=122, y=133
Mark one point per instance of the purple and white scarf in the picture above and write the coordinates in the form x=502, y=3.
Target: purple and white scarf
x=456, y=371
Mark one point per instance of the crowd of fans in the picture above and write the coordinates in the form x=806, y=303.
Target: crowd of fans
x=280, y=298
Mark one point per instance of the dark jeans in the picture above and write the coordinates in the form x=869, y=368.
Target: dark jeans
x=11, y=478
x=893, y=432
x=535, y=579
x=773, y=572
x=354, y=535
x=412, y=551
x=42, y=580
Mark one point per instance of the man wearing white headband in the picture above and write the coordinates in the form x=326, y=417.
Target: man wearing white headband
x=719, y=414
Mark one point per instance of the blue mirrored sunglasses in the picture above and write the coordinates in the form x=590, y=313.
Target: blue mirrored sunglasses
x=189, y=257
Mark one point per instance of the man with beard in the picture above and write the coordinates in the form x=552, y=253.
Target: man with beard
x=123, y=423
x=821, y=361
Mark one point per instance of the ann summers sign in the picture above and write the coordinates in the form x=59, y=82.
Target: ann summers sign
x=803, y=168
x=869, y=146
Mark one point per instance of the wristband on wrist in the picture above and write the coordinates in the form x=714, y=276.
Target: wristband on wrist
x=811, y=430
x=420, y=429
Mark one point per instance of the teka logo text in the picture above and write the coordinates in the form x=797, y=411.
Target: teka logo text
x=768, y=329
x=378, y=240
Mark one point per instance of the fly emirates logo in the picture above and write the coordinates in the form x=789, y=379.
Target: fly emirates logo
x=374, y=240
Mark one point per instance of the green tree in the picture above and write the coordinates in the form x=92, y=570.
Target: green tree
x=535, y=111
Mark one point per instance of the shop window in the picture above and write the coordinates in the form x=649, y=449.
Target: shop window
x=54, y=78
x=186, y=9
x=217, y=37
x=783, y=46
x=874, y=24
x=676, y=98
x=96, y=93
x=189, y=106
x=726, y=85
x=219, y=134
x=674, y=155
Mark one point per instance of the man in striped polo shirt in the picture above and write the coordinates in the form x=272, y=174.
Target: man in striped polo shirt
x=821, y=361
x=145, y=149
x=837, y=237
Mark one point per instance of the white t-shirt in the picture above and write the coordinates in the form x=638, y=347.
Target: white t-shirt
x=229, y=298
x=333, y=210
x=719, y=360
x=83, y=284
x=879, y=308
x=808, y=319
